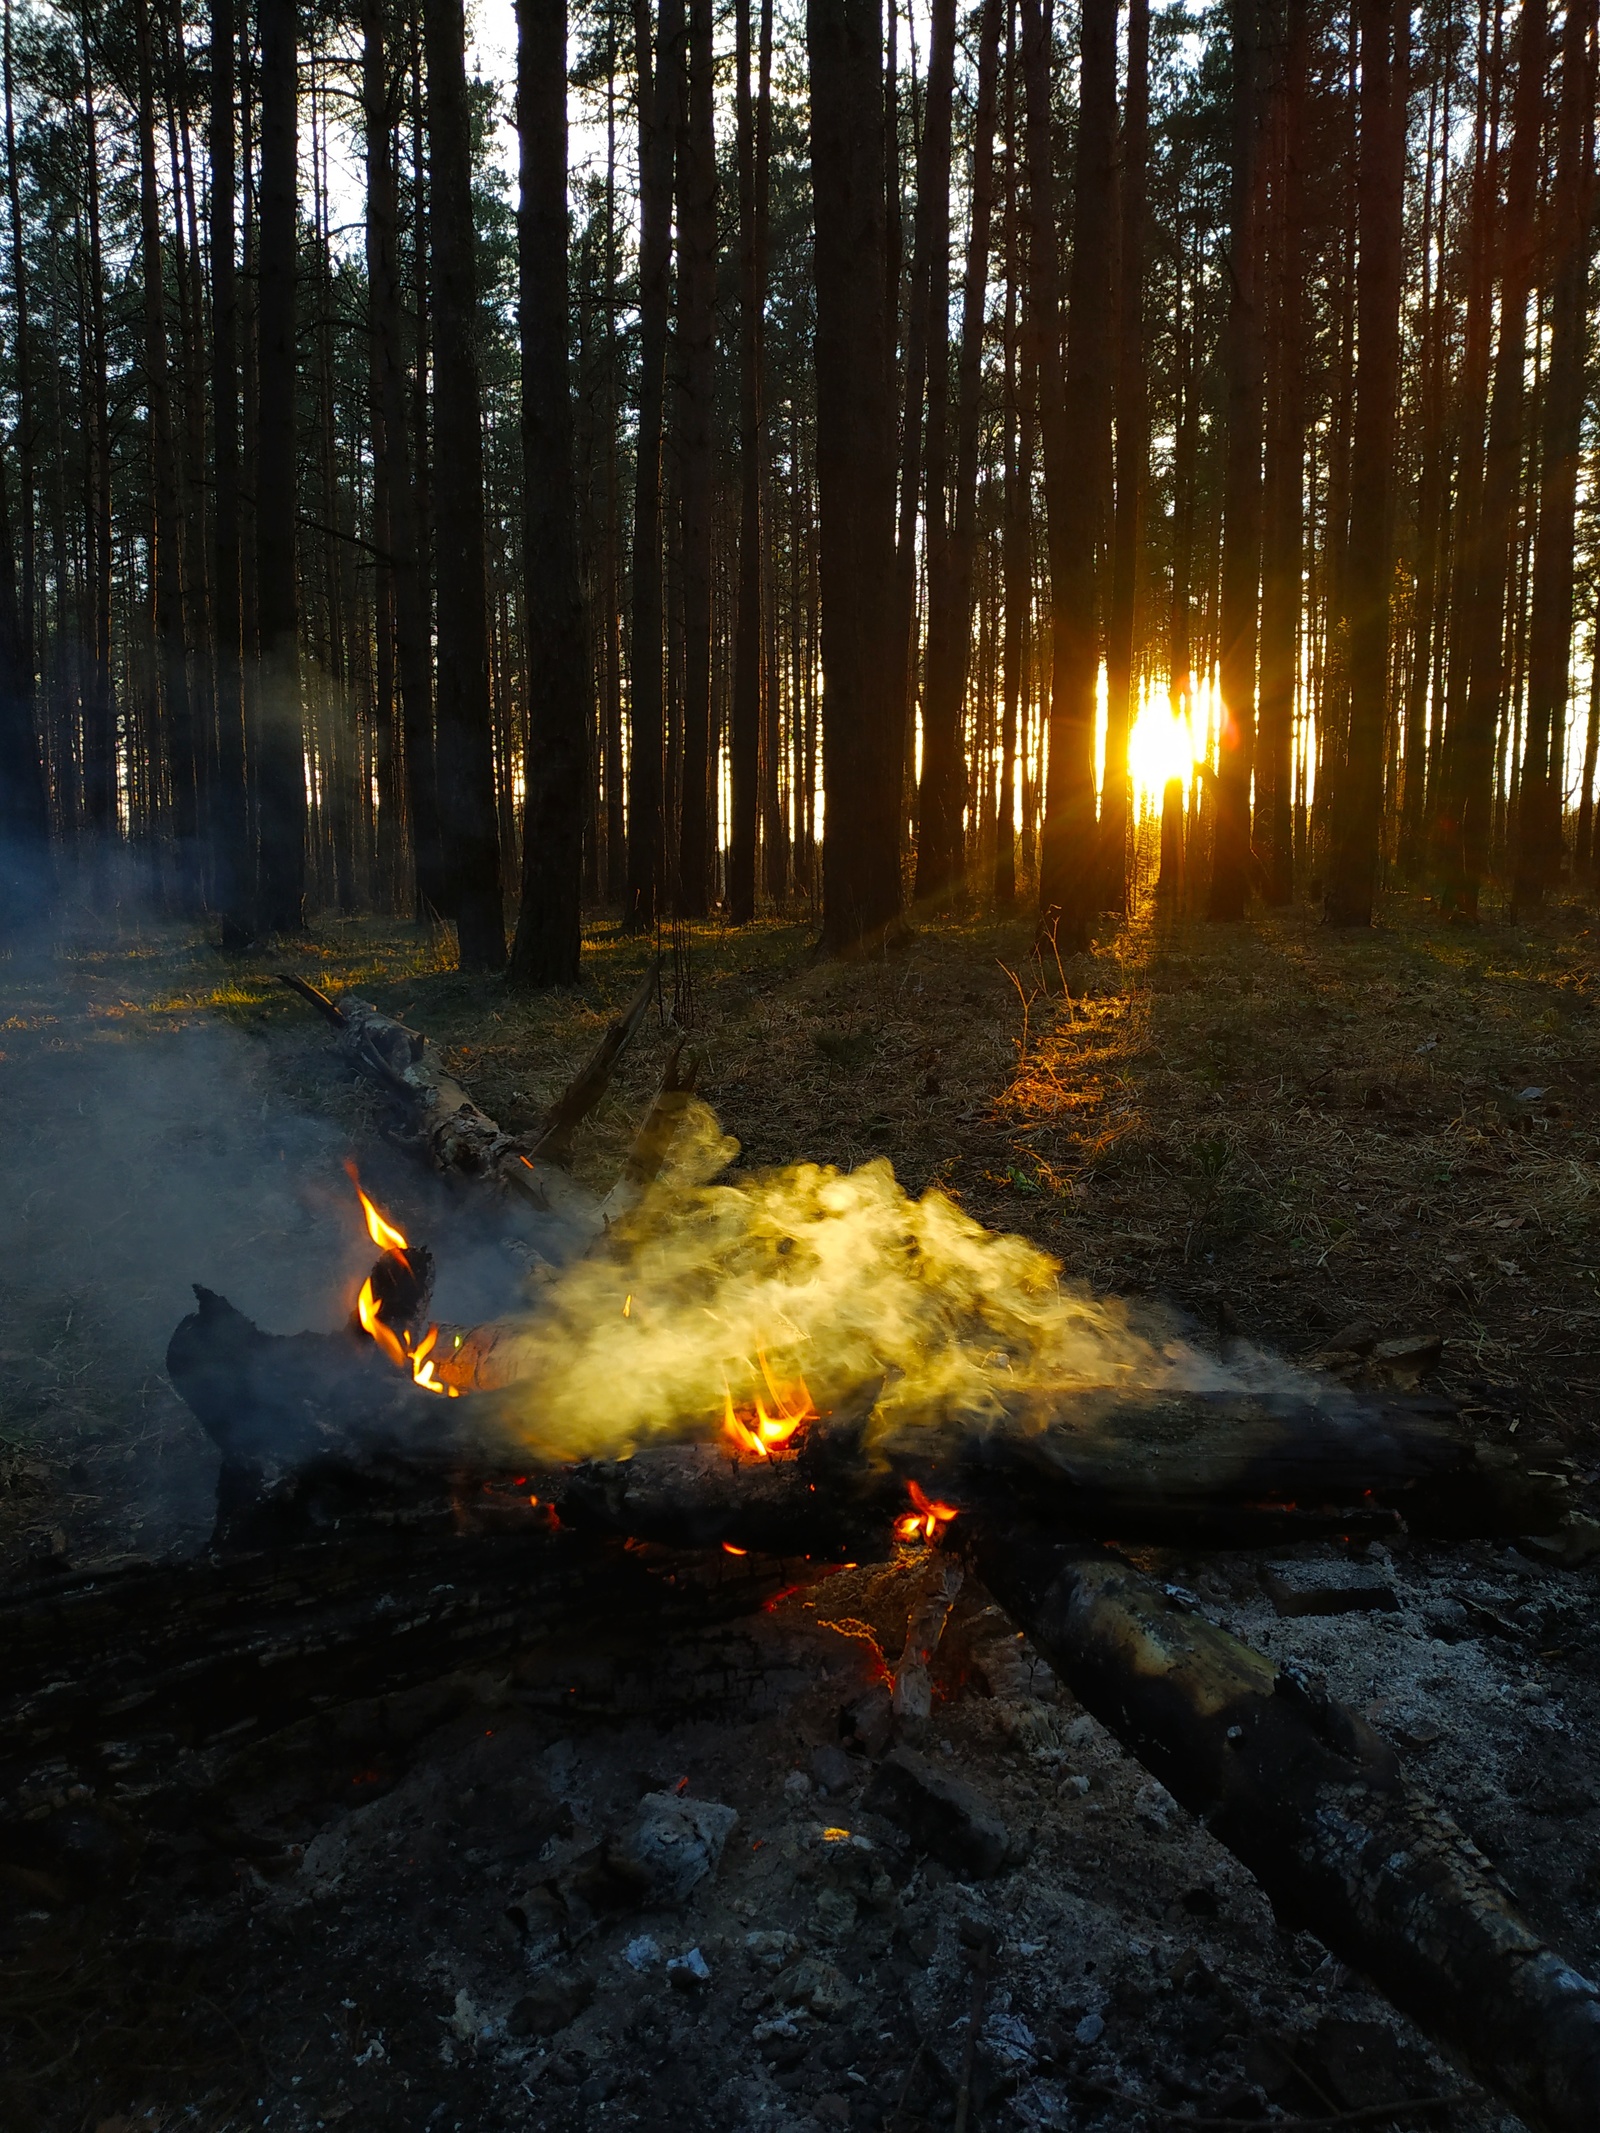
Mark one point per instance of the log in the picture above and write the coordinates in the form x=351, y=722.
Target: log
x=1314, y=1802
x=1234, y=1469
x=440, y=1121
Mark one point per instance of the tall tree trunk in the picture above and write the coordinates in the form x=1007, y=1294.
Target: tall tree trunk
x=1132, y=449
x=171, y=633
x=1283, y=553
x=468, y=821
x=1241, y=506
x=1080, y=414
x=941, y=720
x=931, y=226
x=1016, y=549
x=862, y=722
x=697, y=335
x=281, y=781
x=1473, y=757
x=232, y=870
x=1571, y=236
x=549, y=927
x=1358, y=793
x=411, y=625
x=752, y=146
x=25, y=863
x=940, y=856
x=100, y=716
x=658, y=121
x=1424, y=675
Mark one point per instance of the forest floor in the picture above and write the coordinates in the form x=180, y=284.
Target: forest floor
x=1276, y=1128
x=1269, y=1130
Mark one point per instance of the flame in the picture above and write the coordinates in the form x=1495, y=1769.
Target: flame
x=367, y=1312
x=382, y=1232
x=927, y=1521
x=397, y=1347
x=759, y=1431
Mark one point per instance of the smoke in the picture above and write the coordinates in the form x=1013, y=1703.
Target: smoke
x=834, y=1278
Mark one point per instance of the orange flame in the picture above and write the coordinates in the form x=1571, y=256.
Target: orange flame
x=383, y=1233
x=759, y=1431
x=396, y=1347
x=927, y=1521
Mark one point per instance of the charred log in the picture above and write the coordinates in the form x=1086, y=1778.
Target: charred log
x=1315, y=1804
x=1216, y=1469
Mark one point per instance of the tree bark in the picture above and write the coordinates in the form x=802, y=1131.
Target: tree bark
x=940, y=852
x=1016, y=548
x=232, y=871
x=697, y=296
x=752, y=146
x=1358, y=791
x=183, y=767
x=468, y=821
x=1283, y=557
x=281, y=780
x=862, y=722
x=1473, y=755
x=100, y=801
x=658, y=122
x=1571, y=237
x=1132, y=453
x=1241, y=507
x=549, y=927
x=1078, y=411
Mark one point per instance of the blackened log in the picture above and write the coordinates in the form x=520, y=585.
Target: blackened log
x=1222, y=1469
x=1314, y=1802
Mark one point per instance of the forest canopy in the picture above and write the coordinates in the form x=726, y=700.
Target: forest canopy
x=842, y=459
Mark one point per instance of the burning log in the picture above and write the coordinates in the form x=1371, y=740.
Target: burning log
x=441, y=1122
x=1219, y=1469
x=1314, y=1803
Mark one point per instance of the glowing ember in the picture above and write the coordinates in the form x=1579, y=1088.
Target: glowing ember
x=759, y=1429
x=927, y=1521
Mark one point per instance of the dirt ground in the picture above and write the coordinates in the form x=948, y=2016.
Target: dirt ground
x=1293, y=1137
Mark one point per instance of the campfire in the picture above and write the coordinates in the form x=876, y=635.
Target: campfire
x=403, y=1498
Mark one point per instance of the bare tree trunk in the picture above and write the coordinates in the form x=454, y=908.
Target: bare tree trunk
x=1358, y=793
x=753, y=129
x=232, y=873
x=549, y=928
x=658, y=120
x=1283, y=554
x=167, y=564
x=1474, y=753
x=281, y=783
x=1241, y=509
x=1132, y=452
x=1016, y=555
x=932, y=216
x=1571, y=236
x=697, y=297
x=468, y=821
x=1080, y=415
x=940, y=854
x=100, y=718
x=861, y=710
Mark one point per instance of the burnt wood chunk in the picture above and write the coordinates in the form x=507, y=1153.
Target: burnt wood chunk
x=1314, y=1802
x=941, y=1814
